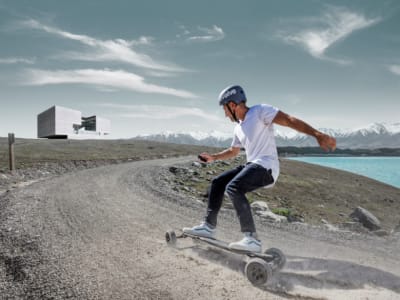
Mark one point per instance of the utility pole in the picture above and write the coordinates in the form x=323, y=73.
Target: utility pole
x=11, y=141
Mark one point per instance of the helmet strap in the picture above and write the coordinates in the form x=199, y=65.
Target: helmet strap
x=232, y=113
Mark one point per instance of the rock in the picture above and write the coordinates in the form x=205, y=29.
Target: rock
x=299, y=225
x=229, y=205
x=396, y=230
x=173, y=170
x=196, y=164
x=179, y=170
x=330, y=227
x=190, y=171
x=259, y=206
x=271, y=217
x=366, y=218
x=295, y=219
x=354, y=227
x=381, y=232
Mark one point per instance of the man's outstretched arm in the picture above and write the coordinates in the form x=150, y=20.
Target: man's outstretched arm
x=325, y=141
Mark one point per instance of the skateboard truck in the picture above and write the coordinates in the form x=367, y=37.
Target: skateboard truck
x=259, y=268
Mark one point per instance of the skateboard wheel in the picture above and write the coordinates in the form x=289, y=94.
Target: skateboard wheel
x=170, y=238
x=278, y=258
x=258, y=271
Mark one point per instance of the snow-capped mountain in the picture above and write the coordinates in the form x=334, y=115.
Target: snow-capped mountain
x=376, y=135
x=213, y=139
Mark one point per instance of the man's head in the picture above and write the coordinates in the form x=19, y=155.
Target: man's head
x=230, y=98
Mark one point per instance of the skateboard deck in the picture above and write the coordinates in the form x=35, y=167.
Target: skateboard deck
x=225, y=246
x=259, y=267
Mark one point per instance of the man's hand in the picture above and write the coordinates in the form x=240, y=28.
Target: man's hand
x=205, y=157
x=225, y=154
x=326, y=142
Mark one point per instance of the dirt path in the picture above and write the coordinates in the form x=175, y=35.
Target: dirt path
x=99, y=234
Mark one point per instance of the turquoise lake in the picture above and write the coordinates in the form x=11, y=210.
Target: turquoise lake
x=384, y=169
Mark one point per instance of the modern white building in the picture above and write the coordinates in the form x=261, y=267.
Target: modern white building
x=64, y=123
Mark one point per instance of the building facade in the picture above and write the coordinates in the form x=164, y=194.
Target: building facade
x=64, y=123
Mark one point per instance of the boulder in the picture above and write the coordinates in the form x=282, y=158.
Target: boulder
x=366, y=218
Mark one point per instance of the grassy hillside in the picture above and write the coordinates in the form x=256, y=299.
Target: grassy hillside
x=29, y=152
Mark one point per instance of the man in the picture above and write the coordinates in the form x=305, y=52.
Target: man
x=255, y=133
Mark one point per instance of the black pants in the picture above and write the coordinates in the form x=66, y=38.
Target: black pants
x=236, y=183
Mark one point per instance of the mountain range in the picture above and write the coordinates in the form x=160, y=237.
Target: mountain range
x=376, y=135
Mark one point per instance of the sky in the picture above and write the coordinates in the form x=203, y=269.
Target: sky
x=155, y=66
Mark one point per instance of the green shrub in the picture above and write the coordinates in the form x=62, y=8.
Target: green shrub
x=281, y=211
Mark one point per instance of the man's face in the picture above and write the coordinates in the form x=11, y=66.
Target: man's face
x=228, y=113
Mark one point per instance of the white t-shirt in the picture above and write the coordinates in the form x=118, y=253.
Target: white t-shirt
x=256, y=135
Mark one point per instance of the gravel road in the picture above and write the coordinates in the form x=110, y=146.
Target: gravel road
x=99, y=234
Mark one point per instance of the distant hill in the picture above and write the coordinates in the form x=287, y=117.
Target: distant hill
x=375, y=136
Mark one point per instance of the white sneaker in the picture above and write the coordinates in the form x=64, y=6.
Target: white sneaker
x=203, y=230
x=248, y=243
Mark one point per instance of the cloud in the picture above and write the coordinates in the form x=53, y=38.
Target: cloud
x=106, y=50
x=17, y=60
x=104, y=78
x=334, y=26
x=212, y=34
x=395, y=69
x=159, y=112
x=143, y=40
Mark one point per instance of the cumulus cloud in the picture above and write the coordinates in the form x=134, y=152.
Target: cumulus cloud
x=106, y=50
x=335, y=25
x=103, y=78
x=159, y=112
